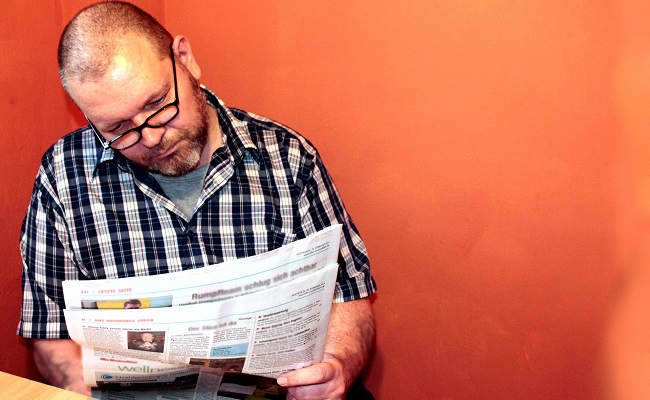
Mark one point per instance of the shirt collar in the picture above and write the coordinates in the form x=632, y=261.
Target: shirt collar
x=235, y=132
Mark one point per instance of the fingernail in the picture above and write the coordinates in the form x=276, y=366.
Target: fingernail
x=282, y=381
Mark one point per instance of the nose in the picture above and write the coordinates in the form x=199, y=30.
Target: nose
x=151, y=137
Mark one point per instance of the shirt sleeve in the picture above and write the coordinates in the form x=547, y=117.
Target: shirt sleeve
x=47, y=261
x=321, y=206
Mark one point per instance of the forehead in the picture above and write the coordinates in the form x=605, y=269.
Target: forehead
x=136, y=72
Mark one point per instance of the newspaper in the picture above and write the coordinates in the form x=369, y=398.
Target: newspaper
x=234, y=326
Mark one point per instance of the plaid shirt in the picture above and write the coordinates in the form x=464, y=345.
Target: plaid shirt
x=93, y=215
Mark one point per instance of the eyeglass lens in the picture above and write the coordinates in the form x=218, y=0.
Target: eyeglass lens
x=158, y=119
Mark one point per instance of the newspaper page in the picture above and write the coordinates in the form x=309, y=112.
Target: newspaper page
x=262, y=333
x=211, y=283
x=263, y=315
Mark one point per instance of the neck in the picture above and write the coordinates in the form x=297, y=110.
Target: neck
x=214, y=138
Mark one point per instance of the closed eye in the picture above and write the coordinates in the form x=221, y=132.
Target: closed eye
x=115, y=128
x=158, y=102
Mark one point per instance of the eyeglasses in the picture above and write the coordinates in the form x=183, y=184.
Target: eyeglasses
x=156, y=120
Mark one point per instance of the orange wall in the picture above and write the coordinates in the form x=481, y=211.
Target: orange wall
x=34, y=111
x=33, y=114
x=475, y=144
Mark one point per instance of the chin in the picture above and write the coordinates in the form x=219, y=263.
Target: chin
x=177, y=165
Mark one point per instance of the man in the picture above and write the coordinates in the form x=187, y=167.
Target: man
x=146, y=342
x=132, y=304
x=164, y=178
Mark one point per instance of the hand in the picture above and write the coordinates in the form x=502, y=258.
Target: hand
x=349, y=338
x=59, y=362
x=323, y=381
x=79, y=387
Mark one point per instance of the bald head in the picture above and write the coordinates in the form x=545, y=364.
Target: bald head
x=93, y=38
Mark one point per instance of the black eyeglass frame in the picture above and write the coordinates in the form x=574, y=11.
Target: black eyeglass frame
x=108, y=144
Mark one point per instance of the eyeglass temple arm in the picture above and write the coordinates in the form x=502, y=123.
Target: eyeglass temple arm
x=97, y=135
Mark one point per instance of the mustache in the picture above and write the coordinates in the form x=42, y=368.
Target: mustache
x=165, y=144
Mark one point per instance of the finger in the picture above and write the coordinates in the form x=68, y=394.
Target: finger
x=325, y=391
x=313, y=375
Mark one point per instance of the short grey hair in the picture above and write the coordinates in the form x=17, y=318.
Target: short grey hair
x=93, y=36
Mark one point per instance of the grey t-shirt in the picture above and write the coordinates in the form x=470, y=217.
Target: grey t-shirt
x=184, y=190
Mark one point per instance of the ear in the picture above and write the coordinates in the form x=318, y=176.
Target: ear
x=184, y=53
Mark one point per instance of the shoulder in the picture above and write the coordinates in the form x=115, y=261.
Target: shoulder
x=267, y=134
x=277, y=144
x=73, y=156
x=73, y=147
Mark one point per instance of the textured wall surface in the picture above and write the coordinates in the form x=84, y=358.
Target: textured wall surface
x=476, y=145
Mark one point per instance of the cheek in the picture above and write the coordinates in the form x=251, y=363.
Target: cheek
x=133, y=153
x=189, y=113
